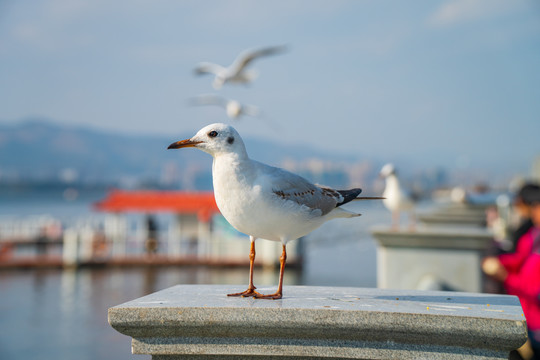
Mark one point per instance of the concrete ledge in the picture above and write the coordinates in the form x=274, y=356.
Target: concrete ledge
x=462, y=215
x=434, y=238
x=456, y=220
x=200, y=321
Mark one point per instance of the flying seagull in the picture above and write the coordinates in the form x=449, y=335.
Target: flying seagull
x=264, y=201
x=237, y=72
x=233, y=108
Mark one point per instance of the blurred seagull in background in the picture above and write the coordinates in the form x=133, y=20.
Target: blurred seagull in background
x=237, y=72
x=264, y=201
x=396, y=198
x=233, y=108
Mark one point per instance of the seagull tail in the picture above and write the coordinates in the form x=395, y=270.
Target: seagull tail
x=369, y=198
x=342, y=213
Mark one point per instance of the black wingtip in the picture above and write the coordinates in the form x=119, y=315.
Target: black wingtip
x=349, y=195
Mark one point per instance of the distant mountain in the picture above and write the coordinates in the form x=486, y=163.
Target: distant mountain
x=40, y=149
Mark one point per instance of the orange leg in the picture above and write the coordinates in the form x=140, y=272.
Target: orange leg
x=251, y=288
x=279, y=293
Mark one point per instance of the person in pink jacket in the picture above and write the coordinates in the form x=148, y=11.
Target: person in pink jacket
x=520, y=273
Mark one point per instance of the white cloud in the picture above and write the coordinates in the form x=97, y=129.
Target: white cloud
x=459, y=11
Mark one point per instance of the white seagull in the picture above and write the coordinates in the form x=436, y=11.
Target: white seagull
x=233, y=108
x=236, y=72
x=264, y=201
x=396, y=198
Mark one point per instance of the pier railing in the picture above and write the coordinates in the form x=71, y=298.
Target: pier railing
x=115, y=240
x=201, y=322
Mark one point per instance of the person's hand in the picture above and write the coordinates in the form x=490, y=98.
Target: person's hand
x=493, y=267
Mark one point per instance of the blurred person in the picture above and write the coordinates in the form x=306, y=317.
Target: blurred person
x=519, y=271
x=505, y=238
x=151, y=244
x=42, y=242
x=100, y=248
x=522, y=206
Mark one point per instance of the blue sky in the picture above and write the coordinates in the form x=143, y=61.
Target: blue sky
x=454, y=83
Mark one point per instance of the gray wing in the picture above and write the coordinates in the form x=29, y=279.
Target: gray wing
x=208, y=68
x=291, y=187
x=246, y=57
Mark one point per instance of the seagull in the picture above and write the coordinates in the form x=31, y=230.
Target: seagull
x=233, y=108
x=263, y=201
x=396, y=198
x=236, y=72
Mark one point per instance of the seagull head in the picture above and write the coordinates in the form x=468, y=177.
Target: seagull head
x=387, y=170
x=215, y=139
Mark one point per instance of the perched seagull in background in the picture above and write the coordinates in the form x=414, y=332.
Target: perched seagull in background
x=233, y=108
x=396, y=198
x=264, y=201
x=236, y=72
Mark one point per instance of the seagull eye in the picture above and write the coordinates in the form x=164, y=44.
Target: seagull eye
x=212, y=134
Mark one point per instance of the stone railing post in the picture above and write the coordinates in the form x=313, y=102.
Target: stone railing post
x=201, y=322
x=431, y=259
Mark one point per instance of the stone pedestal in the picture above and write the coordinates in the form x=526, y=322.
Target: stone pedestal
x=201, y=322
x=431, y=259
x=462, y=215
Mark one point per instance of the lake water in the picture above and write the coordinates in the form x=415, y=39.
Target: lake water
x=60, y=314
